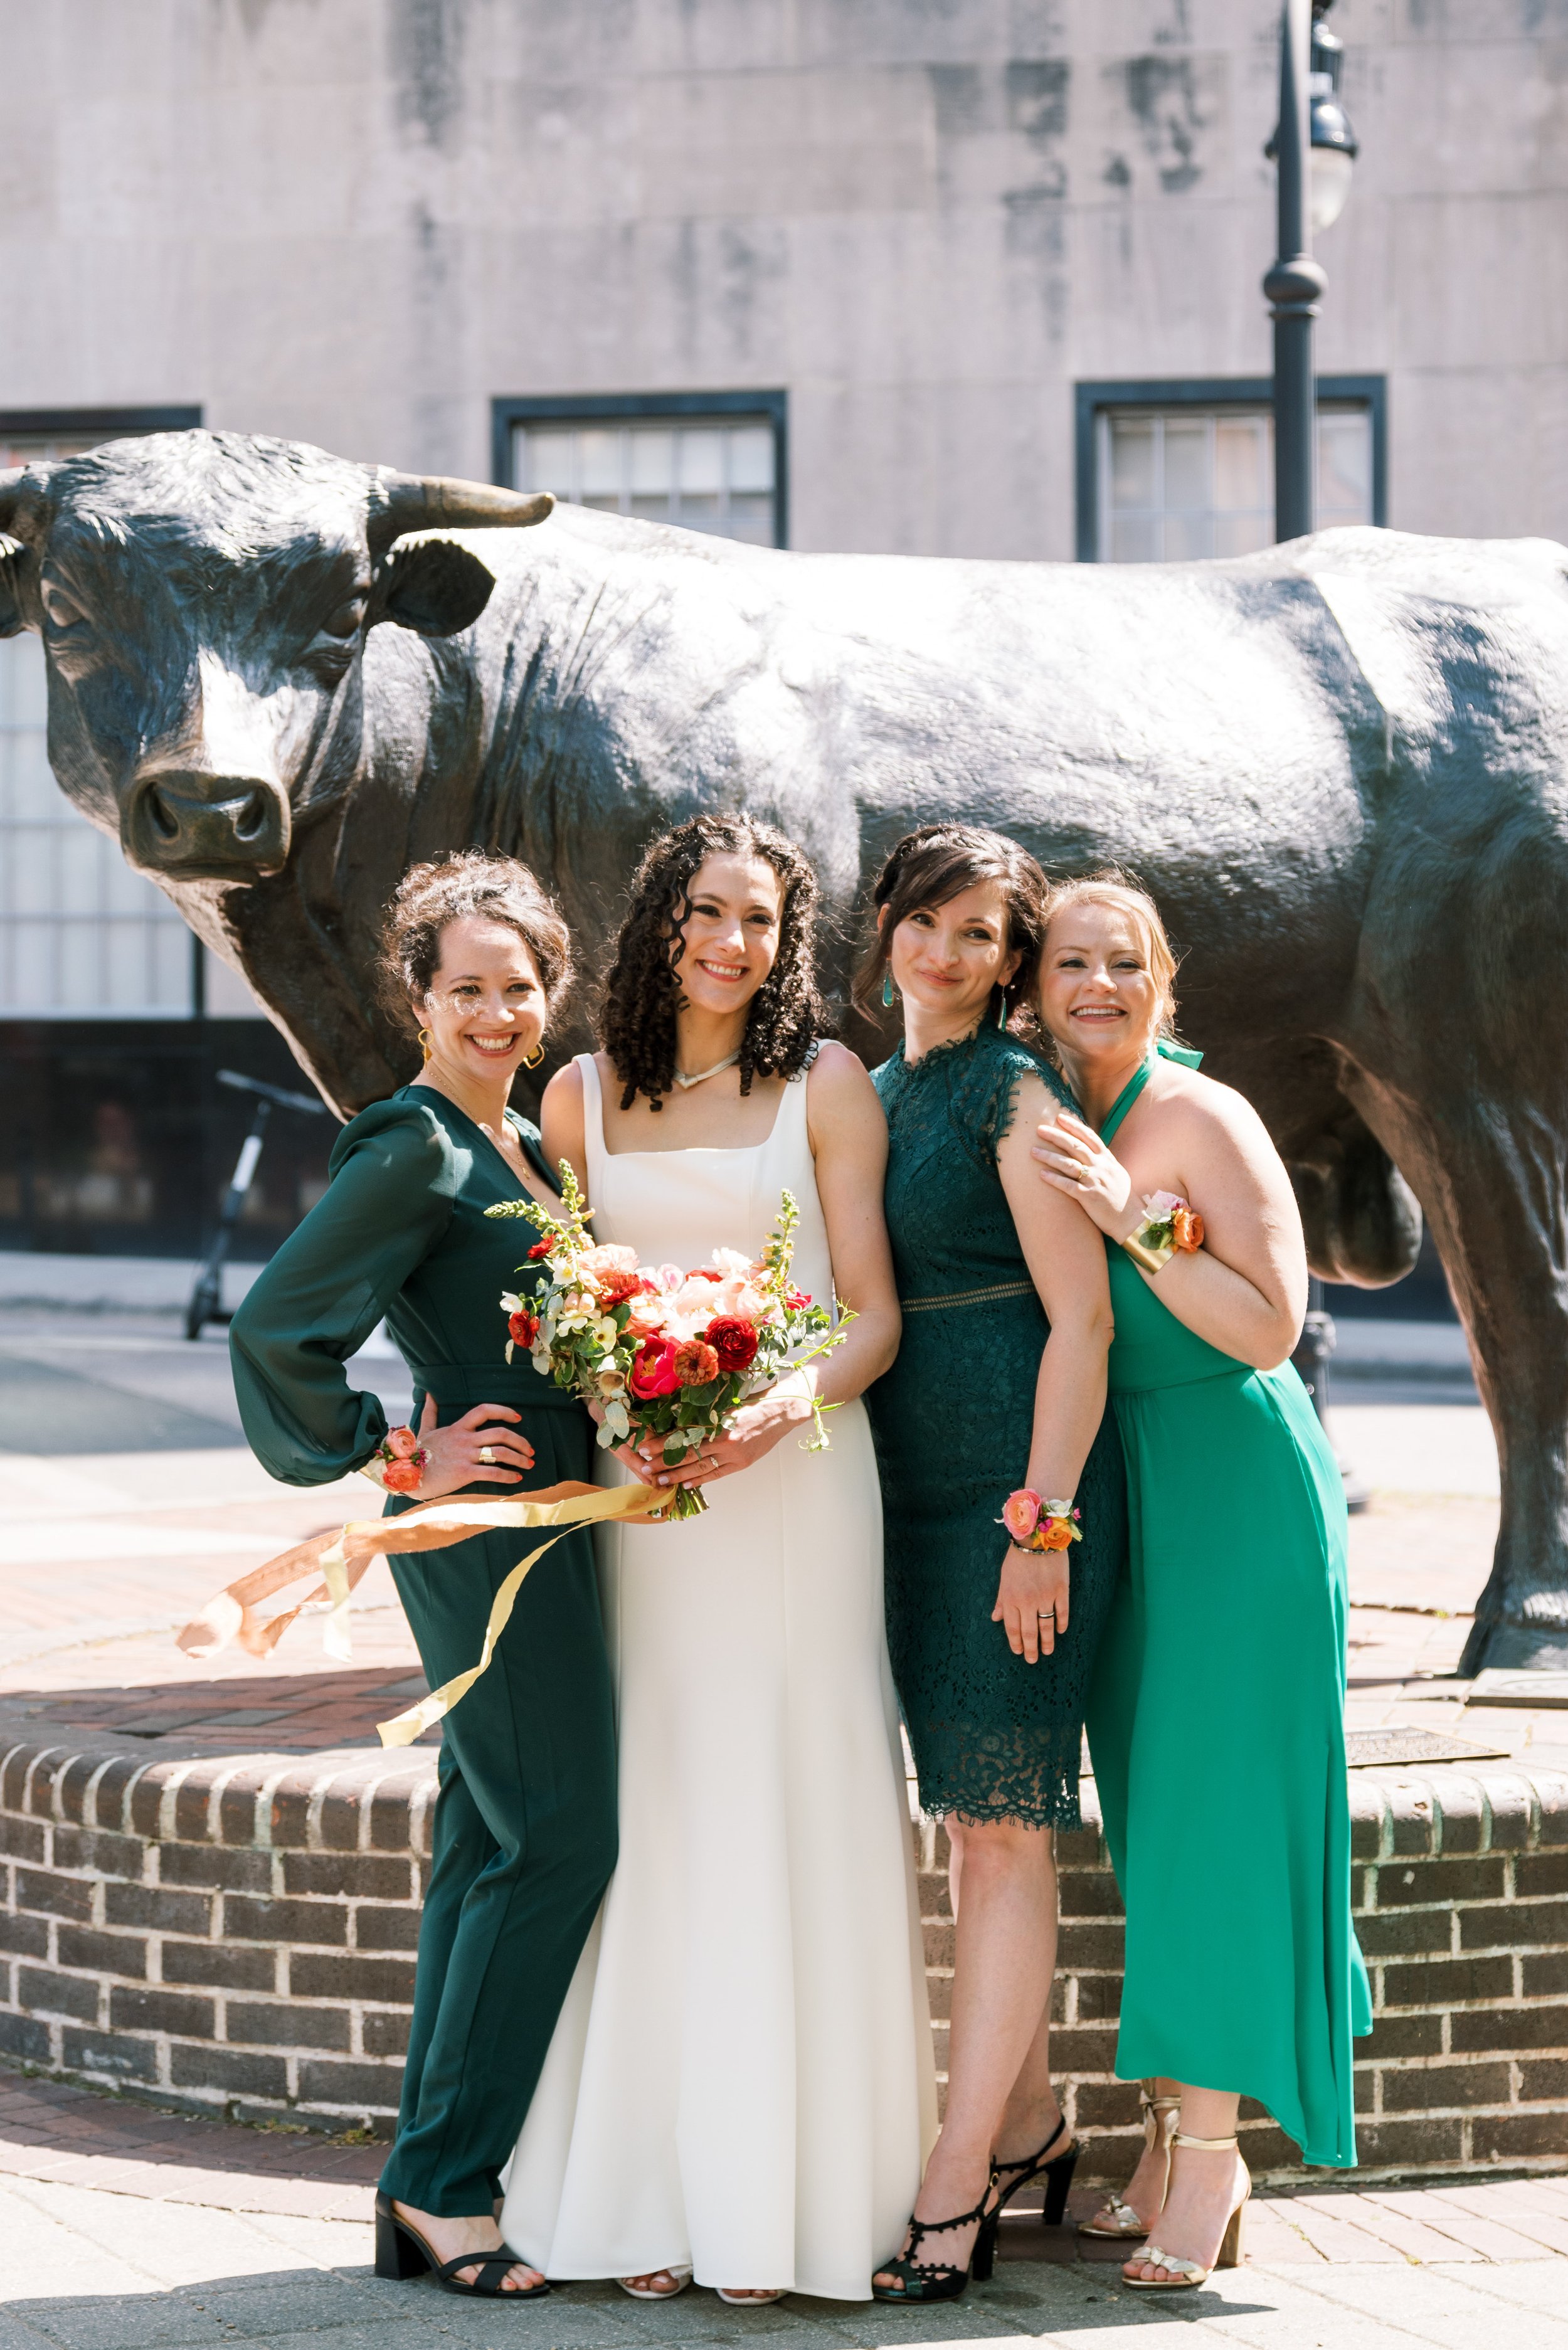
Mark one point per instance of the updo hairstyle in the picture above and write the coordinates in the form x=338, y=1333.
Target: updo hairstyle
x=643, y=988
x=1126, y=895
x=465, y=883
x=932, y=865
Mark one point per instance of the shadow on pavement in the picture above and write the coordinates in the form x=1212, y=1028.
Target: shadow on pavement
x=54, y=1413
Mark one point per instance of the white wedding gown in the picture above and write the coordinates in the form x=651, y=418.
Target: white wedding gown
x=742, y=2078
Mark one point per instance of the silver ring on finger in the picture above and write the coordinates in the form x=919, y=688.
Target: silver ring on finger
x=487, y=1454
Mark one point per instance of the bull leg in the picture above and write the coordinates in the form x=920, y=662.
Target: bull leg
x=1490, y=1176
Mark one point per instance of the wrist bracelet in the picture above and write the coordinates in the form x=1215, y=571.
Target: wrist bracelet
x=397, y=1463
x=1170, y=1228
x=1036, y=1524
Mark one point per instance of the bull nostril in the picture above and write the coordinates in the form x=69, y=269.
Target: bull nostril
x=165, y=823
x=250, y=816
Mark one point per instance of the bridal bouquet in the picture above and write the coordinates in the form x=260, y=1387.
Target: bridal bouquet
x=660, y=1350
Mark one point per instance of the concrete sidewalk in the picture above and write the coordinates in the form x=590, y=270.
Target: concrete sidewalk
x=124, y=2229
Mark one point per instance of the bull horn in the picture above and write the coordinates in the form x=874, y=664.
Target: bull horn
x=405, y=501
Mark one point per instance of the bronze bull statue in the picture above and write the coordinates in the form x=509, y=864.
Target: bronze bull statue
x=1342, y=765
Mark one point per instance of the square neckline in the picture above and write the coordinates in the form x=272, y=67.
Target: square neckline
x=687, y=1150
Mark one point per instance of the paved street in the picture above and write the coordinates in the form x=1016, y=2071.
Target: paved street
x=131, y=1498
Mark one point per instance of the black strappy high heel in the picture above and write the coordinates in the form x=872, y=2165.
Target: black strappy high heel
x=1057, y=2174
x=926, y=2280
x=401, y=2252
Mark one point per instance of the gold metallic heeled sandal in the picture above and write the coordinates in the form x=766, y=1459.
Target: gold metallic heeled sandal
x=1182, y=2276
x=1118, y=2219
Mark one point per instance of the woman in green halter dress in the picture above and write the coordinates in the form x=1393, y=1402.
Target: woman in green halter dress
x=1216, y=1717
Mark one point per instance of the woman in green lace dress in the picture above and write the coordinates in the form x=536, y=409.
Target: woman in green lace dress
x=524, y=1833
x=999, y=1384
x=1216, y=1719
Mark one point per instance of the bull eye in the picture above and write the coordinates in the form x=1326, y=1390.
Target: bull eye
x=347, y=620
x=60, y=610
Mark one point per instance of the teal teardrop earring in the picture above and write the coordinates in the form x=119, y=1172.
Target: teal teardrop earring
x=887, y=989
x=1002, y=1008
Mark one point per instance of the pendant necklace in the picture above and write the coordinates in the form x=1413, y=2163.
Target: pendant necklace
x=718, y=1069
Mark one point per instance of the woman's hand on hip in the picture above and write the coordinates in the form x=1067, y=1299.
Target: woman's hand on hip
x=457, y=1454
x=1071, y=1159
x=1032, y=1601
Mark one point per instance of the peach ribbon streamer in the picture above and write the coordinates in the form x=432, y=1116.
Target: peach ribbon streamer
x=342, y=1558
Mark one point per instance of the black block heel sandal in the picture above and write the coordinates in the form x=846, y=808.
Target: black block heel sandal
x=401, y=2252
x=936, y=2279
x=1057, y=2173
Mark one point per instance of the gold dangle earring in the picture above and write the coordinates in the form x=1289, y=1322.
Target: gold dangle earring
x=532, y=1060
x=425, y=1044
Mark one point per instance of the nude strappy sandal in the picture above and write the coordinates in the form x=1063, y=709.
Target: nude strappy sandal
x=1182, y=2276
x=1117, y=2219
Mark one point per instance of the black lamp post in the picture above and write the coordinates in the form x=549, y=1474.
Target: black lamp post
x=1314, y=149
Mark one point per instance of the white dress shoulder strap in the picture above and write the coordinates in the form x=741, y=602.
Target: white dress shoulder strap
x=593, y=1124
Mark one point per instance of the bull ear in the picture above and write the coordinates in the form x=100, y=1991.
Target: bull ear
x=13, y=556
x=433, y=586
x=22, y=500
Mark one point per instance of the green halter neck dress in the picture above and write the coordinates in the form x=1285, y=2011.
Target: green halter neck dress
x=1216, y=1724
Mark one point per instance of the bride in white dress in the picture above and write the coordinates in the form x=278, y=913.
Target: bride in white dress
x=741, y=2085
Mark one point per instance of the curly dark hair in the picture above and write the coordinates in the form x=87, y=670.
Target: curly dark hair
x=467, y=882
x=929, y=867
x=643, y=988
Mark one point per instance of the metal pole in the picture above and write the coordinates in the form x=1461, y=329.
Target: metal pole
x=206, y=1298
x=1295, y=286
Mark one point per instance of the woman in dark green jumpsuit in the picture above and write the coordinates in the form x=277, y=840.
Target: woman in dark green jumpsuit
x=524, y=1836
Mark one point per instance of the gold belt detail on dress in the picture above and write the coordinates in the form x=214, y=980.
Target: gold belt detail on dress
x=967, y=1297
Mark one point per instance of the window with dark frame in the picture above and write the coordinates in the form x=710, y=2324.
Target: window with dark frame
x=82, y=936
x=1178, y=470
x=710, y=461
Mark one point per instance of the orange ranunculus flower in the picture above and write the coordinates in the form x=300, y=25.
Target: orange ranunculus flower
x=1186, y=1229
x=402, y=1476
x=696, y=1363
x=1056, y=1536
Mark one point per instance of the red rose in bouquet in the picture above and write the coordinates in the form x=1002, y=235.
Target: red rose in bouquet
x=653, y=1370
x=734, y=1341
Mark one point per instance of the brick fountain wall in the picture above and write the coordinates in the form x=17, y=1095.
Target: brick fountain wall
x=239, y=1936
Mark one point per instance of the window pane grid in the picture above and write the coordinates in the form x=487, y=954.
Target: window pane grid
x=81, y=935
x=699, y=473
x=1179, y=485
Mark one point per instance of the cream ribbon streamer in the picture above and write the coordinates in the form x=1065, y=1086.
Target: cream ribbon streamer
x=342, y=1558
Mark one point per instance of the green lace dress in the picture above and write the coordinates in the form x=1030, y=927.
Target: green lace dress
x=994, y=1738
x=1216, y=1722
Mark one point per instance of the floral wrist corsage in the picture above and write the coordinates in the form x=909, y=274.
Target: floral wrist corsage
x=398, y=1462
x=1038, y=1524
x=1170, y=1228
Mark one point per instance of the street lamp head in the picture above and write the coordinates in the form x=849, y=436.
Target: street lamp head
x=1334, y=147
x=1333, y=142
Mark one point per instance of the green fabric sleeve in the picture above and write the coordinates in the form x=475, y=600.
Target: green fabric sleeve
x=393, y=1179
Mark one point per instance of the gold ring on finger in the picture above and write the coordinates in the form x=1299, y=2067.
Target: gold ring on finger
x=487, y=1454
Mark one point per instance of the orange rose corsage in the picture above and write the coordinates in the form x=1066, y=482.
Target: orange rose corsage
x=1170, y=1227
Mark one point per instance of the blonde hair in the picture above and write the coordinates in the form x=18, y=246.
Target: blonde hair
x=1120, y=891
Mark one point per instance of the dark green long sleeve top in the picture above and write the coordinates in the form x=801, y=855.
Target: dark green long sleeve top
x=399, y=1234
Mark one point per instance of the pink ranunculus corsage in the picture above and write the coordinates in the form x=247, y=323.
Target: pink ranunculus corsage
x=1036, y=1524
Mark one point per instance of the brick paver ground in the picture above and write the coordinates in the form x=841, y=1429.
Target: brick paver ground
x=122, y=2225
